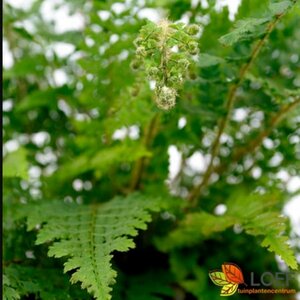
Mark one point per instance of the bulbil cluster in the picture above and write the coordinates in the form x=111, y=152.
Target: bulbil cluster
x=165, y=50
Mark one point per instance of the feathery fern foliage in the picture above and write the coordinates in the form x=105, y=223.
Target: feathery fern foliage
x=255, y=214
x=88, y=235
x=21, y=281
x=251, y=28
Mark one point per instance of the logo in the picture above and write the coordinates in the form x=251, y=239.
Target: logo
x=229, y=278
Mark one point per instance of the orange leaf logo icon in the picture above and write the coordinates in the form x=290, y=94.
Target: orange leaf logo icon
x=233, y=273
x=229, y=278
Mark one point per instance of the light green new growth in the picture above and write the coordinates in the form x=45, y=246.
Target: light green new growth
x=165, y=50
x=87, y=236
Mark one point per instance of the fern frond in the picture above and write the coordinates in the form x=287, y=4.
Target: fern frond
x=254, y=213
x=9, y=290
x=280, y=246
x=206, y=60
x=244, y=29
x=20, y=281
x=102, y=160
x=195, y=227
x=280, y=7
x=253, y=27
x=87, y=236
x=258, y=218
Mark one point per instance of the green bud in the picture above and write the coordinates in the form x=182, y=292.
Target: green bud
x=135, y=90
x=141, y=51
x=151, y=43
x=193, y=48
x=193, y=75
x=193, y=52
x=153, y=71
x=176, y=79
x=184, y=63
x=135, y=64
x=192, y=29
x=138, y=41
x=192, y=45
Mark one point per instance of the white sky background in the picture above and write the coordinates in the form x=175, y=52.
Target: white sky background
x=64, y=22
x=197, y=162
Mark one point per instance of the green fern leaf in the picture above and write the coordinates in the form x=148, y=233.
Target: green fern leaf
x=195, y=227
x=207, y=60
x=102, y=160
x=20, y=280
x=257, y=216
x=271, y=226
x=267, y=222
x=279, y=245
x=252, y=28
x=254, y=213
x=9, y=291
x=244, y=206
x=87, y=236
x=244, y=30
x=280, y=7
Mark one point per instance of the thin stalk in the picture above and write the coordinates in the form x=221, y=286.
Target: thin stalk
x=251, y=147
x=196, y=191
x=139, y=166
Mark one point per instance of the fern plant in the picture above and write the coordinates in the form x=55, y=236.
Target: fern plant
x=253, y=213
x=88, y=235
x=150, y=152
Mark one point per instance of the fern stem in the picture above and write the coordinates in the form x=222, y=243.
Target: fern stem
x=138, y=169
x=241, y=152
x=164, y=24
x=92, y=245
x=196, y=191
x=151, y=129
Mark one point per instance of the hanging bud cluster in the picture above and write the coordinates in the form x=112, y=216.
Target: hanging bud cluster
x=165, y=50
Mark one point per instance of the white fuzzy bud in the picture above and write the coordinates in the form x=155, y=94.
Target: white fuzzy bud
x=165, y=97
